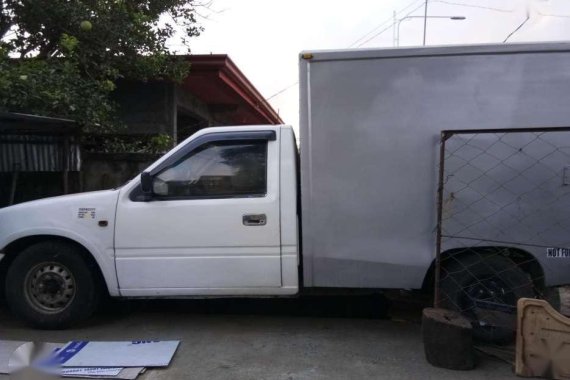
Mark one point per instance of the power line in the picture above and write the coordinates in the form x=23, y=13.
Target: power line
x=518, y=27
x=283, y=90
x=474, y=6
x=422, y=4
x=382, y=24
x=360, y=39
x=389, y=26
x=552, y=15
x=377, y=34
x=369, y=36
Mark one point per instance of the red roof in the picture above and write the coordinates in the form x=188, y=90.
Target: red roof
x=216, y=80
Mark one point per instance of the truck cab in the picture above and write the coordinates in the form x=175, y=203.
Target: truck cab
x=216, y=216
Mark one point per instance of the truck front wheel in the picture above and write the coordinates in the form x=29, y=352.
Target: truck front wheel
x=50, y=285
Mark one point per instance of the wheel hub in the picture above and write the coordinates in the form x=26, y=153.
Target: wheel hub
x=492, y=289
x=50, y=287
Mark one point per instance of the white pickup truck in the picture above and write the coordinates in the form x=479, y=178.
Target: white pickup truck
x=223, y=213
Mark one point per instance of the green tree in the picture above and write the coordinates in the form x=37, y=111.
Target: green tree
x=63, y=57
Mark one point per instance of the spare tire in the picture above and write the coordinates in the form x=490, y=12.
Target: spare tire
x=485, y=289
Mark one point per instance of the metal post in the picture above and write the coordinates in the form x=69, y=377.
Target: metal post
x=65, y=169
x=77, y=145
x=440, y=189
x=398, y=30
x=394, y=21
x=454, y=18
x=425, y=21
x=15, y=175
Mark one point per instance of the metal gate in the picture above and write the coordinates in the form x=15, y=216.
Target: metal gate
x=503, y=221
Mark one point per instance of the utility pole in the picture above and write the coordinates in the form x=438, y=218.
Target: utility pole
x=397, y=39
x=394, y=22
x=425, y=21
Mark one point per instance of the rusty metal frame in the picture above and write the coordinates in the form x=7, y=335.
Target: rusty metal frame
x=440, y=183
x=446, y=135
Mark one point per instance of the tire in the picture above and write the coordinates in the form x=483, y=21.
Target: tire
x=552, y=296
x=50, y=285
x=496, y=279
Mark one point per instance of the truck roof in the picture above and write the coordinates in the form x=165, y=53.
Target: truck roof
x=423, y=51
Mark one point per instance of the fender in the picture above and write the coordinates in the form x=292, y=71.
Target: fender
x=529, y=261
x=104, y=257
x=76, y=217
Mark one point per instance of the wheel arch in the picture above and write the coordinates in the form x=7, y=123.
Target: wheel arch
x=12, y=250
x=524, y=259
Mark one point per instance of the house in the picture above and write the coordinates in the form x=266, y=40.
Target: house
x=41, y=156
x=214, y=93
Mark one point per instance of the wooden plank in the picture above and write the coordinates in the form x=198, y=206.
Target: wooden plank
x=543, y=341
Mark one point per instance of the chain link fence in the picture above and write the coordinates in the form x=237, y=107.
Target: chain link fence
x=503, y=223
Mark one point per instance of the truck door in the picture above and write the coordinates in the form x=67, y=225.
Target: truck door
x=211, y=224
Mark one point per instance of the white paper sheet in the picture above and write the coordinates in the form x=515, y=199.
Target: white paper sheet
x=90, y=371
x=17, y=355
x=114, y=354
x=124, y=374
x=14, y=355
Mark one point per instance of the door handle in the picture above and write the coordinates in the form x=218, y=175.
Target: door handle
x=254, y=220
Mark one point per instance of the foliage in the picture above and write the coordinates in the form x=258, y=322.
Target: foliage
x=56, y=89
x=63, y=57
x=160, y=143
x=115, y=143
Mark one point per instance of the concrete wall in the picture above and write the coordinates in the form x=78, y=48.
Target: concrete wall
x=100, y=171
x=108, y=170
x=163, y=107
x=35, y=185
x=147, y=107
x=188, y=103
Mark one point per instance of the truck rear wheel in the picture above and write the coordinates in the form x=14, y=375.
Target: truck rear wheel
x=50, y=285
x=468, y=281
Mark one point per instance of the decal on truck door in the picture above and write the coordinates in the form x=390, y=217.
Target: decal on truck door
x=86, y=213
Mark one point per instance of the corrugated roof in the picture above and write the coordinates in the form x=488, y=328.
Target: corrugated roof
x=20, y=123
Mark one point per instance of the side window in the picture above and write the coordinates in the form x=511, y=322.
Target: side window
x=218, y=169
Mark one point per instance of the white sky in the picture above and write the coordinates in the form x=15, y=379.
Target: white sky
x=264, y=37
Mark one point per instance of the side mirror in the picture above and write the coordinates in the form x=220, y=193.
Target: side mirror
x=146, y=183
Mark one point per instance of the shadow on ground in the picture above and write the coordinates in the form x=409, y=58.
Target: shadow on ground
x=368, y=307
x=396, y=305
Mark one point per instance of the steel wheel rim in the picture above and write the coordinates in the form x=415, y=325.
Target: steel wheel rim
x=491, y=289
x=50, y=287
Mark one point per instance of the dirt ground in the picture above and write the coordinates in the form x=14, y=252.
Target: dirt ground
x=313, y=338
